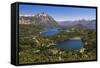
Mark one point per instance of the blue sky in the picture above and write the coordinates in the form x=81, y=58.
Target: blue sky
x=59, y=13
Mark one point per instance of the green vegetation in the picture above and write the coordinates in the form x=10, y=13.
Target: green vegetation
x=75, y=38
x=34, y=48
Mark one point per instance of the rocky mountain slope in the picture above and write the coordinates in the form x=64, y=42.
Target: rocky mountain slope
x=41, y=19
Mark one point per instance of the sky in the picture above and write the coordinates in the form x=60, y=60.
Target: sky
x=59, y=13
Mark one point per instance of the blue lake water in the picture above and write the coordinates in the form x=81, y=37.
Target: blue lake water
x=51, y=32
x=70, y=45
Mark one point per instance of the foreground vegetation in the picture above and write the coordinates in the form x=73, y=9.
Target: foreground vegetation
x=35, y=48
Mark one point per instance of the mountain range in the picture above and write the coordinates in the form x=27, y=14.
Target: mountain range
x=45, y=20
x=91, y=24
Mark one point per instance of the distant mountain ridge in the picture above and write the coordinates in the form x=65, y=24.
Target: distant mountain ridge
x=88, y=23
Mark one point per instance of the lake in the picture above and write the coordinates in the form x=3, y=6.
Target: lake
x=51, y=32
x=70, y=45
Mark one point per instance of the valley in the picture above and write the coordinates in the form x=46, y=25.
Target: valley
x=42, y=39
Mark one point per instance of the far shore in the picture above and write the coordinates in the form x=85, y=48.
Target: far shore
x=75, y=38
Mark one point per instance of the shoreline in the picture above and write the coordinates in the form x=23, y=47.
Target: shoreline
x=75, y=38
